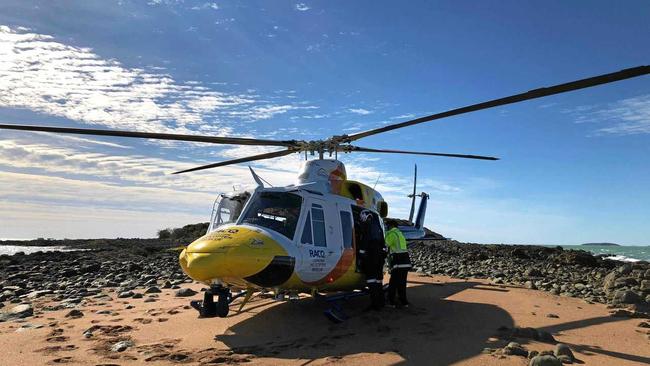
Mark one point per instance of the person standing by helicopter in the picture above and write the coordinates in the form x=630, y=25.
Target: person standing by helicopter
x=372, y=253
x=399, y=264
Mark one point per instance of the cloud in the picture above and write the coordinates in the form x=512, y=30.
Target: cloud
x=46, y=76
x=359, y=111
x=625, y=117
x=208, y=5
x=302, y=7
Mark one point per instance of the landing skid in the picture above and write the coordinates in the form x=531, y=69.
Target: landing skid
x=335, y=312
x=208, y=308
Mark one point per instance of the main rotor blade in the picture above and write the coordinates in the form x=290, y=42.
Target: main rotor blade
x=533, y=94
x=270, y=155
x=365, y=149
x=152, y=135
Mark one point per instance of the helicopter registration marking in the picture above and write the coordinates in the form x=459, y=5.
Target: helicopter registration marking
x=316, y=253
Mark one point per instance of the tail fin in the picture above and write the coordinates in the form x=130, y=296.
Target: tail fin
x=412, y=195
x=422, y=210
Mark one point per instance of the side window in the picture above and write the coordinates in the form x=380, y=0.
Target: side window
x=306, y=232
x=318, y=223
x=346, y=226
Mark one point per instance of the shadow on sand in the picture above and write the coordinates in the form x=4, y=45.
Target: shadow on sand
x=434, y=331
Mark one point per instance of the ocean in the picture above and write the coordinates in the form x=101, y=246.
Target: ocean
x=13, y=249
x=621, y=253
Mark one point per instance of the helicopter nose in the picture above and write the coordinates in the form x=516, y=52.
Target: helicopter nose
x=237, y=254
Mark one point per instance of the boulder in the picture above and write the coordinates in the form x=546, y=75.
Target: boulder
x=185, y=292
x=153, y=290
x=121, y=346
x=19, y=311
x=645, y=285
x=545, y=360
x=562, y=349
x=515, y=349
x=626, y=297
x=125, y=294
x=74, y=313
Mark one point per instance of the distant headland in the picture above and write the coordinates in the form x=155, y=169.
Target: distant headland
x=602, y=244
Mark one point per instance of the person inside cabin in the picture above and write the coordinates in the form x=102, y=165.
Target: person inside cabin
x=372, y=252
x=399, y=264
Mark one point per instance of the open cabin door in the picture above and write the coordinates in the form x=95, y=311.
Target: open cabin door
x=320, y=240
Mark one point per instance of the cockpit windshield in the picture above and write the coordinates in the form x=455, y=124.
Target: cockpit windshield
x=278, y=211
x=227, y=209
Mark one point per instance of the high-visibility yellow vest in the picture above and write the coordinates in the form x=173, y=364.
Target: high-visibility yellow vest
x=395, y=241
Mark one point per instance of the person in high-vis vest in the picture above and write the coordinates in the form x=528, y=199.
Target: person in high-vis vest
x=399, y=264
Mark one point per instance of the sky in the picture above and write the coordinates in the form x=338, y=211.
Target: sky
x=574, y=167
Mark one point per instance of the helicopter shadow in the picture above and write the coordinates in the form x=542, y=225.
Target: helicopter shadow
x=434, y=330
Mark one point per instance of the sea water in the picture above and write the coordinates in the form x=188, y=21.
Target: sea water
x=620, y=253
x=13, y=249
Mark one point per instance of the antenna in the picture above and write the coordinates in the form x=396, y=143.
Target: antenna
x=415, y=182
x=377, y=181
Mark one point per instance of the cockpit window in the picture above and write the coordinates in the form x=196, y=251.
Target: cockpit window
x=227, y=209
x=278, y=211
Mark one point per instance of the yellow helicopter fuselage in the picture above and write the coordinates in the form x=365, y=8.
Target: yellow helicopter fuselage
x=294, y=239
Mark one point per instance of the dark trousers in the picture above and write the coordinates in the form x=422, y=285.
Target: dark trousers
x=397, y=284
x=374, y=277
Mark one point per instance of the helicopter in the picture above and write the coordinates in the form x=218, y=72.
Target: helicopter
x=301, y=238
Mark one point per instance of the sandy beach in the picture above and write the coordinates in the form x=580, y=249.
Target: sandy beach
x=451, y=322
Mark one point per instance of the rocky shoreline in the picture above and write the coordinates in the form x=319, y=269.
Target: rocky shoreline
x=139, y=268
x=572, y=273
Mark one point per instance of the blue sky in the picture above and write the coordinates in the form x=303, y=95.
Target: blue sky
x=574, y=167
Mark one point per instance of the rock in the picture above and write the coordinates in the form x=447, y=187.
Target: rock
x=545, y=336
x=626, y=297
x=20, y=311
x=609, y=280
x=121, y=346
x=554, y=316
x=565, y=359
x=645, y=285
x=37, y=294
x=545, y=360
x=185, y=292
x=562, y=349
x=533, y=272
x=167, y=284
x=532, y=354
x=153, y=290
x=515, y=349
x=625, y=269
x=75, y=313
x=104, y=312
x=644, y=325
x=125, y=294
x=530, y=285
x=137, y=295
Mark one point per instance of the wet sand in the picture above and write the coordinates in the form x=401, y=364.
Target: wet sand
x=451, y=322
